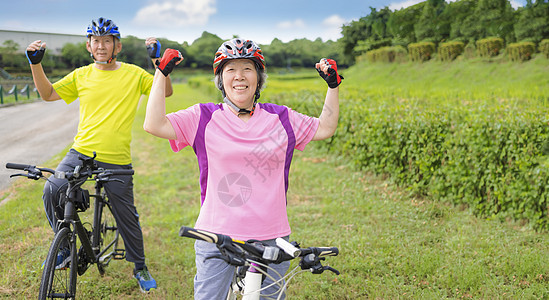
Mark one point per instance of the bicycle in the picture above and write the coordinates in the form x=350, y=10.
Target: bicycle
x=252, y=258
x=98, y=245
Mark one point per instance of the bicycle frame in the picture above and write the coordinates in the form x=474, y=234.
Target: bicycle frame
x=91, y=247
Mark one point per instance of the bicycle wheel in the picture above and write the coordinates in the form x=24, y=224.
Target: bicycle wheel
x=108, y=237
x=59, y=276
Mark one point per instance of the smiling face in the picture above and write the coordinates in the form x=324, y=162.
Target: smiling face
x=240, y=82
x=102, y=47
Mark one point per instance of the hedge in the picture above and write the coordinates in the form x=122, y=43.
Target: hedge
x=489, y=47
x=422, y=51
x=387, y=54
x=488, y=158
x=521, y=51
x=450, y=50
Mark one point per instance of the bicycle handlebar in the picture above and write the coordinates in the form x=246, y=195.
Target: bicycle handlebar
x=236, y=252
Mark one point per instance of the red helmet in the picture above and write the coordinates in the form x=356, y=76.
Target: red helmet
x=238, y=48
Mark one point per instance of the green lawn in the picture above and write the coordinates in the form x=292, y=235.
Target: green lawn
x=392, y=245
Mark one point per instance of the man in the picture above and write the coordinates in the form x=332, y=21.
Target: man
x=108, y=93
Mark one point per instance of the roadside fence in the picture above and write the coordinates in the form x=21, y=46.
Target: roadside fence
x=27, y=91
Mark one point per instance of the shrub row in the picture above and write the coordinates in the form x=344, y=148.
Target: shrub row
x=387, y=54
x=521, y=51
x=421, y=51
x=489, y=47
x=448, y=51
x=487, y=159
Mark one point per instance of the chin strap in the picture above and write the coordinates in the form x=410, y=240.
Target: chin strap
x=239, y=110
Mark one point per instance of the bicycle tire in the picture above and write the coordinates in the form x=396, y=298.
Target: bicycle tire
x=60, y=283
x=108, y=233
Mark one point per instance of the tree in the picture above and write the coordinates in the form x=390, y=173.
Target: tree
x=11, y=57
x=202, y=51
x=75, y=55
x=401, y=24
x=490, y=18
x=430, y=25
x=533, y=21
x=456, y=13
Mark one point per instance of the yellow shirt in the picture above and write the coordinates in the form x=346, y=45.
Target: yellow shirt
x=108, y=103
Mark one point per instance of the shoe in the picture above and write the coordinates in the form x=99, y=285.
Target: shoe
x=146, y=282
x=63, y=259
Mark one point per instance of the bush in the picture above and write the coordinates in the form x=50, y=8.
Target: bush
x=489, y=47
x=450, y=50
x=544, y=47
x=387, y=54
x=521, y=51
x=422, y=51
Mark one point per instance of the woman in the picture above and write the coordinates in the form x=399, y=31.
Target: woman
x=244, y=150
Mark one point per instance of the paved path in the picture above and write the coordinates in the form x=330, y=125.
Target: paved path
x=34, y=132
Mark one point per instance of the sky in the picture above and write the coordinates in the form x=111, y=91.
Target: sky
x=185, y=20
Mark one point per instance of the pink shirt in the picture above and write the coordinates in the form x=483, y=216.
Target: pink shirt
x=244, y=166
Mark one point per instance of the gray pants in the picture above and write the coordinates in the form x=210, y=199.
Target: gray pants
x=119, y=194
x=213, y=276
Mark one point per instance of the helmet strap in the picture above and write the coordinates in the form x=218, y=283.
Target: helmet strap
x=239, y=110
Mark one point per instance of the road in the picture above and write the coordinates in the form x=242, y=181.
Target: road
x=32, y=133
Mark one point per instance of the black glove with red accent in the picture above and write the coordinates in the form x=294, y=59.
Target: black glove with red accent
x=168, y=61
x=332, y=78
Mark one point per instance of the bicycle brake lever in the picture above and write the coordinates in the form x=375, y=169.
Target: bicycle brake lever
x=29, y=176
x=331, y=269
x=106, y=178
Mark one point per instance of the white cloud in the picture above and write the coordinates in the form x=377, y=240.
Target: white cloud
x=297, y=23
x=333, y=26
x=169, y=13
x=515, y=4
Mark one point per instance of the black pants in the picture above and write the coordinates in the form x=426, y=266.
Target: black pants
x=119, y=194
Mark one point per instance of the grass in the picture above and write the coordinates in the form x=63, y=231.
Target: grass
x=392, y=244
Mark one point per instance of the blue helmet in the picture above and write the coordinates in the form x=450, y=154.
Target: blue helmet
x=103, y=26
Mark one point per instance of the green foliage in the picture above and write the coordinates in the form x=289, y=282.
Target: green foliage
x=422, y=51
x=75, y=55
x=202, y=50
x=521, y=51
x=300, y=53
x=463, y=133
x=544, y=47
x=450, y=50
x=457, y=13
x=370, y=29
x=386, y=54
x=438, y=21
x=10, y=59
x=489, y=47
x=430, y=24
x=532, y=21
x=401, y=24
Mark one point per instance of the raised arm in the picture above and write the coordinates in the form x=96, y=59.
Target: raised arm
x=153, y=48
x=156, y=122
x=327, y=69
x=35, y=53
